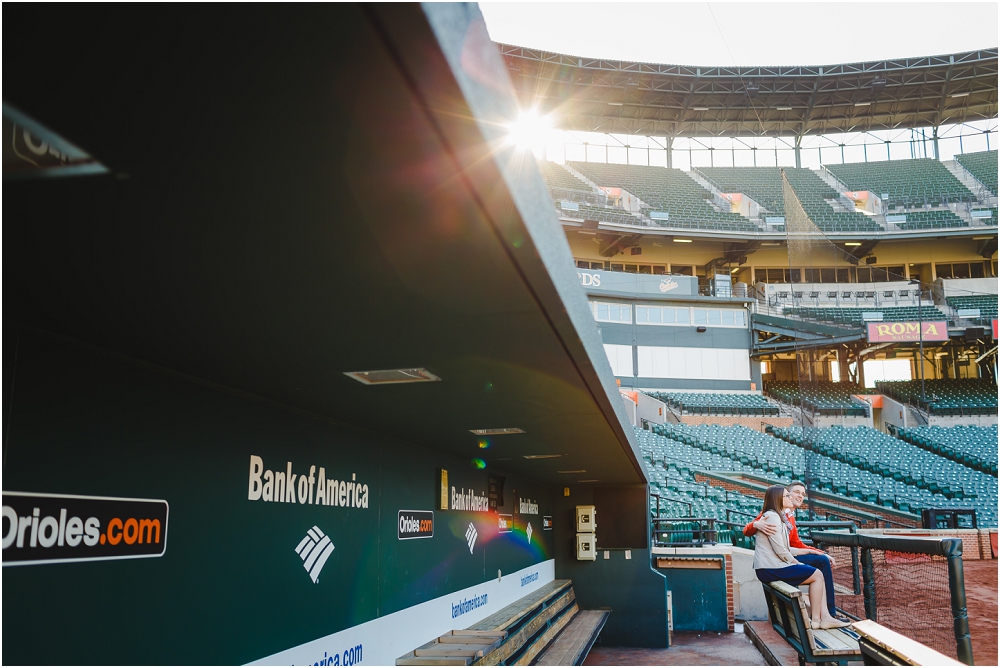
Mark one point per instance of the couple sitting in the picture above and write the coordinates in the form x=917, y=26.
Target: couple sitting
x=773, y=554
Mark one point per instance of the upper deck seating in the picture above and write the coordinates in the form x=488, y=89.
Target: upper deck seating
x=556, y=176
x=708, y=403
x=855, y=315
x=975, y=447
x=983, y=166
x=669, y=191
x=987, y=305
x=945, y=396
x=762, y=184
x=602, y=214
x=824, y=398
x=914, y=182
x=813, y=192
x=930, y=220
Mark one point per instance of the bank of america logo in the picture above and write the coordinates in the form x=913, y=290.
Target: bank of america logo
x=314, y=549
x=528, y=531
x=471, y=535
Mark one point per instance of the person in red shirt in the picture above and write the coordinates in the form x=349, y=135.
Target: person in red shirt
x=815, y=558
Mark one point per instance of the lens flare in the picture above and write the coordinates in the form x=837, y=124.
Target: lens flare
x=483, y=444
x=479, y=463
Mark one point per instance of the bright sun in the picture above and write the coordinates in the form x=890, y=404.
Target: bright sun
x=531, y=131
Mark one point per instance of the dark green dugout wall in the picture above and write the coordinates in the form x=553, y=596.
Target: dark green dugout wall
x=230, y=588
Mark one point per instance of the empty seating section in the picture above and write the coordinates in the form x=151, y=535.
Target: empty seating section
x=939, y=482
x=820, y=397
x=983, y=166
x=602, y=214
x=945, y=396
x=855, y=315
x=787, y=460
x=666, y=190
x=987, y=305
x=813, y=192
x=976, y=447
x=762, y=184
x=670, y=467
x=556, y=176
x=708, y=403
x=916, y=182
x=931, y=220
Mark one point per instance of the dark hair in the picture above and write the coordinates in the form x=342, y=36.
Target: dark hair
x=797, y=483
x=774, y=499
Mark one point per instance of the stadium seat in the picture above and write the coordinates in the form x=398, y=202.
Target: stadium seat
x=983, y=166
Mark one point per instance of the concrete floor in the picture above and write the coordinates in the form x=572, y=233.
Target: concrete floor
x=689, y=649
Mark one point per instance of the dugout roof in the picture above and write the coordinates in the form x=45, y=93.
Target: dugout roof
x=298, y=192
x=648, y=99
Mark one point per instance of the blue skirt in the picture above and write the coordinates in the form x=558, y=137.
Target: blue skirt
x=794, y=575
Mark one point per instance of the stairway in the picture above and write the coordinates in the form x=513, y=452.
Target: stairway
x=831, y=180
x=968, y=180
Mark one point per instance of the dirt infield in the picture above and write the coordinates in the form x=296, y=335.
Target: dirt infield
x=912, y=597
x=981, y=592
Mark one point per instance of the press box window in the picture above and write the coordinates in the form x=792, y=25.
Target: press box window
x=606, y=312
x=661, y=315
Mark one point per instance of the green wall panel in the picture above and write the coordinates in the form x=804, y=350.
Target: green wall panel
x=230, y=587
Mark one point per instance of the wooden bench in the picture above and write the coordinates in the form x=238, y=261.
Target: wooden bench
x=545, y=627
x=884, y=647
x=792, y=622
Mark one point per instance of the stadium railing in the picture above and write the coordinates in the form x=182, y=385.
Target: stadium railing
x=912, y=586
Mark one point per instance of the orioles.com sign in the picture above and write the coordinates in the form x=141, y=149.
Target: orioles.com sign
x=933, y=330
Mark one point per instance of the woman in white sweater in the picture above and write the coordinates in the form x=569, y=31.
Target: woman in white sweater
x=773, y=559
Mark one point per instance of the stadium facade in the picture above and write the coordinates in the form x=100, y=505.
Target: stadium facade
x=304, y=362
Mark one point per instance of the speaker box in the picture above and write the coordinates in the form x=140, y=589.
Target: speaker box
x=974, y=333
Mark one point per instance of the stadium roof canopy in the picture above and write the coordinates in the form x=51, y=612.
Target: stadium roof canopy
x=613, y=96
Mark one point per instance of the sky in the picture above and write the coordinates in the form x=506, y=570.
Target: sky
x=746, y=34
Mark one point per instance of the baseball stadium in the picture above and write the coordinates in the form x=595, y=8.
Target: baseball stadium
x=706, y=354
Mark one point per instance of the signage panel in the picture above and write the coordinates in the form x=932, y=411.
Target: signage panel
x=63, y=528
x=506, y=523
x=546, y=523
x=616, y=282
x=884, y=332
x=411, y=524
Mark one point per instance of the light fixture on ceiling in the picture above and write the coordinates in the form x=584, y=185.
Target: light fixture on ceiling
x=577, y=471
x=783, y=108
x=699, y=108
x=392, y=376
x=852, y=243
x=682, y=241
x=862, y=104
x=591, y=480
x=616, y=104
x=541, y=456
x=497, y=432
x=965, y=94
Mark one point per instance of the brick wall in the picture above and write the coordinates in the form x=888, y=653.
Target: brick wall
x=730, y=596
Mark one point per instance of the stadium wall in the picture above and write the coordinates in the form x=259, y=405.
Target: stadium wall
x=225, y=582
x=625, y=581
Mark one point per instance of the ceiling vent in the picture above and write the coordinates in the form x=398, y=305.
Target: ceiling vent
x=392, y=376
x=497, y=432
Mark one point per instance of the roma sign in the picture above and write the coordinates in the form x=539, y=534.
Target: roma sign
x=933, y=330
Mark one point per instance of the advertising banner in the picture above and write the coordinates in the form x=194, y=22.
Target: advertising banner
x=902, y=332
x=63, y=528
x=615, y=282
